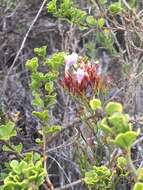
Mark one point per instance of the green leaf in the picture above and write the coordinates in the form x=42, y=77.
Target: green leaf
x=113, y=107
x=14, y=165
x=119, y=122
x=6, y=148
x=43, y=115
x=52, y=7
x=25, y=173
x=32, y=64
x=40, y=52
x=104, y=126
x=38, y=77
x=67, y=10
x=53, y=129
x=50, y=100
x=138, y=186
x=7, y=131
x=101, y=22
x=125, y=140
x=99, y=177
x=35, y=85
x=49, y=87
x=91, y=178
x=37, y=100
x=22, y=165
x=121, y=162
x=95, y=104
x=39, y=141
x=17, y=148
x=36, y=156
x=140, y=174
x=50, y=76
x=91, y=20
x=115, y=8
x=56, y=60
x=133, y=3
x=102, y=2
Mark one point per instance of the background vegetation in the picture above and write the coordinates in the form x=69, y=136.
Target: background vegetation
x=71, y=96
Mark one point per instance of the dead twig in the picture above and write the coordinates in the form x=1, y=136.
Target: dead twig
x=71, y=184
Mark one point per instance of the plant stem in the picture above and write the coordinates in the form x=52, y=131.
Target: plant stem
x=50, y=185
x=71, y=184
x=130, y=164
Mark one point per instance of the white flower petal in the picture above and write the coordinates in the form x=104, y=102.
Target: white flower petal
x=80, y=75
x=70, y=60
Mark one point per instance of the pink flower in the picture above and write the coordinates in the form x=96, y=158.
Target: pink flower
x=84, y=78
x=80, y=75
x=70, y=60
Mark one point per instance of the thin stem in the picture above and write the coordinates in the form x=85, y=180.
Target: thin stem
x=130, y=164
x=69, y=185
x=50, y=185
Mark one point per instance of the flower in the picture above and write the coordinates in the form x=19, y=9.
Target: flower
x=84, y=78
x=70, y=60
x=80, y=75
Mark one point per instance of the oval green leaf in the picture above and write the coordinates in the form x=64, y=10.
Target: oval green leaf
x=113, y=107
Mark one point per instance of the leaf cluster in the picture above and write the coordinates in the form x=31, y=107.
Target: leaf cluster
x=26, y=174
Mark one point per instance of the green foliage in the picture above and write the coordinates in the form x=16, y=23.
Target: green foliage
x=56, y=60
x=101, y=22
x=43, y=115
x=52, y=129
x=117, y=126
x=38, y=102
x=121, y=163
x=7, y=131
x=133, y=3
x=90, y=48
x=125, y=140
x=28, y=173
x=18, y=148
x=140, y=174
x=95, y=104
x=104, y=126
x=91, y=20
x=115, y=8
x=42, y=86
x=119, y=122
x=32, y=64
x=67, y=10
x=39, y=79
x=40, y=52
x=49, y=87
x=105, y=38
x=113, y=107
x=25, y=174
x=138, y=186
x=100, y=177
x=102, y=2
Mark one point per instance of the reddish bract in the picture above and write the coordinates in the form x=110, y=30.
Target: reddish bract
x=85, y=78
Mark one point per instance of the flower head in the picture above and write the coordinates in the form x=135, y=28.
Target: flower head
x=84, y=78
x=70, y=60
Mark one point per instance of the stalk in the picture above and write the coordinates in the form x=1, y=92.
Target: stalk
x=130, y=164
